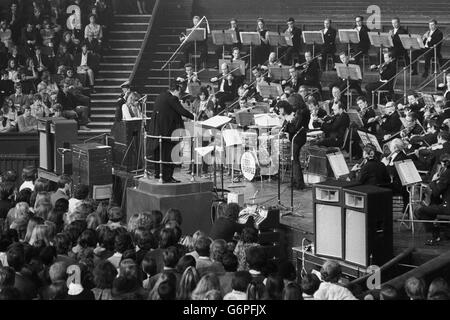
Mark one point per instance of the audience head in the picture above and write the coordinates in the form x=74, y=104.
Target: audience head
x=189, y=280
x=415, y=288
x=202, y=246
x=388, y=292
x=292, y=291
x=208, y=282
x=331, y=271
x=310, y=284
x=439, y=290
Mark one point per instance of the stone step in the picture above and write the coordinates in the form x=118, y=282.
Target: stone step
x=129, y=34
x=126, y=18
x=114, y=73
x=116, y=51
x=126, y=43
x=129, y=26
x=117, y=66
x=119, y=59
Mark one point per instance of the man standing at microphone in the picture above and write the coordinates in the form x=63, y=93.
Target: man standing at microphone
x=167, y=113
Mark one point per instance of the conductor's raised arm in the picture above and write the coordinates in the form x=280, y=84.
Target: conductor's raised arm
x=175, y=104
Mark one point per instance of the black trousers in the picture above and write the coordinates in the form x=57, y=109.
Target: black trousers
x=297, y=168
x=430, y=213
x=428, y=56
x=167, y=169
x=373, y=86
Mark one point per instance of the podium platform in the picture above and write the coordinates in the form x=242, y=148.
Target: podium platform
x=193, y=199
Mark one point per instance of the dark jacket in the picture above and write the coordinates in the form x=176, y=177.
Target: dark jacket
x=398, y=49
x=296, y=37
x=387, y=72
x=329, y=39
x=225, y=229
x=370, y=127
x=440, y=188
x=374, y=172
x=392, y=124
x=299, y=124
x=312, y=73
x=435, y=38
x=364, y=40
x=336, y=129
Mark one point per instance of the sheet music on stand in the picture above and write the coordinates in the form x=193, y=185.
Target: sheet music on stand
x=250, y=38
x=349, y=36
x=367, y=138
x=381, y=39
x=407, y=172
x=276, y=39
x=411, y=42
x=338, y=164
x=198, y=34
x=216, y=122
x=313, y=37
x=222, y=38
x=232, y=137
x=355, y=118
x=428, y=99
x=351, y=71
x=279, y=73
x=272, y=90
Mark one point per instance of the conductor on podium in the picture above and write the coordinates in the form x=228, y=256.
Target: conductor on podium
x=167, y=113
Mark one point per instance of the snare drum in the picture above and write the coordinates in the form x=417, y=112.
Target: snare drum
x=249, y=165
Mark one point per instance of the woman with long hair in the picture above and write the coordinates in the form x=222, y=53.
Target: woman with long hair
x=188, y=283
x=207, y=283
x=131, y=109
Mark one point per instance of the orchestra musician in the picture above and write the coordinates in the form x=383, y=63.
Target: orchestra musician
x=166, y=118
x=442, y=110
x=329, y=45
x=342, y=83
x=261, y=51
x=236, y=44
x=126, y=91
x=397, y=148
x=295, y=34
x=336, y=98
x=189, y=47
x=431, y=38
x=371, y=171
x=334, y=127
x=132, y=109
x=425, y=140
x=226, y=86
x=310, y=72
x=362, y=48
x=440, y=189
x=428, y=157
x=446, y=88
x=387, y=70
x=316, y=113
x=390, y=123
x=395, y=32
x=296, y=125
x=261, y=78
x=189, y=78
x=236, y=57
x=294, y=81
x=368, y=115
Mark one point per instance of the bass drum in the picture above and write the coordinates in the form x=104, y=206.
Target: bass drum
x=250, y=166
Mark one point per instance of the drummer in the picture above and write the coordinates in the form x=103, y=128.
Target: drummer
x=296, y=125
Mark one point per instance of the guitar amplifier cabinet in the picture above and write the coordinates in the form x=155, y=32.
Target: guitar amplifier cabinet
x=92, y=164
x=126, y=154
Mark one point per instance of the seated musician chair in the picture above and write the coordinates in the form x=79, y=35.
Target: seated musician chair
x=384, y=92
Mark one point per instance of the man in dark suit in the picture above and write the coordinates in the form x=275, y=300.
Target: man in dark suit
x=440, y=189
x=41, y=61
x=227, y=88
x=390, y=123
x=310, y=73
x=167, y=112
x=296, y=125
x=329, y=45
x=372, y=171
x=364, y=41
x=387, y=70
x=341, y=83
x=86, y=62
x=295, y=34
x=335, y=127
x=431, y=38
x=398, y=49
x=71, y=108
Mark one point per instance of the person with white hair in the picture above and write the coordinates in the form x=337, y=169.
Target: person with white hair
x=330, y=288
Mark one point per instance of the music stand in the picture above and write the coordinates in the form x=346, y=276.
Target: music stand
x=276, y=40
x=381, y=40
x=349, y=36
x=198, y=34
x=356, y=119
x=313, y=37
x=338, y=164
x=349, y=72
x=409, y=177
x=411, y=42
x=279, y=73
x=270, y=91
x=222, y=38
x=250, y=39
x=232, y=138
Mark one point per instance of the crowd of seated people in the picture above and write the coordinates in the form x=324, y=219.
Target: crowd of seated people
x=45, y=45
x=57, y=243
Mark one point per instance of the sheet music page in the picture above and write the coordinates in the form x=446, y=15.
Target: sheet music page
x=232, y=137
x=216, y=122
x=355, y=118
x=364, y=138
x=407, y=172
x=373, y=139
x=338, y=164
x=267, y=120
x=203, y=151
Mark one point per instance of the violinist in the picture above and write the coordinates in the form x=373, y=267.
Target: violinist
x=310, y=73
x=203, y=106
x=295, y=124
x=411, y=126
x=295, y=34
x=226, y=86
x=371, y=170
x=189, y=78
x=387, y=70
x=397, y=148
x=334, y=127
x=368, y=115
x=390, y=123
x=442, y=110
x=428, y=157
x=260, y=79
x=446, y=88
x=427, y=139
x=316, y=113
x=336, y=97
x=294, y=81
x=440, y=189
x=342, y=83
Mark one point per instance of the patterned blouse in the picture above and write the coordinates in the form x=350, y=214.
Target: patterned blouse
x=239, y=251
x=93, y=30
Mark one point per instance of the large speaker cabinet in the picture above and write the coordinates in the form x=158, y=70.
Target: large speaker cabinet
x=329, y=223
x=368, y=225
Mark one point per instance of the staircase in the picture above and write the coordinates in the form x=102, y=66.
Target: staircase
x=126, y=36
